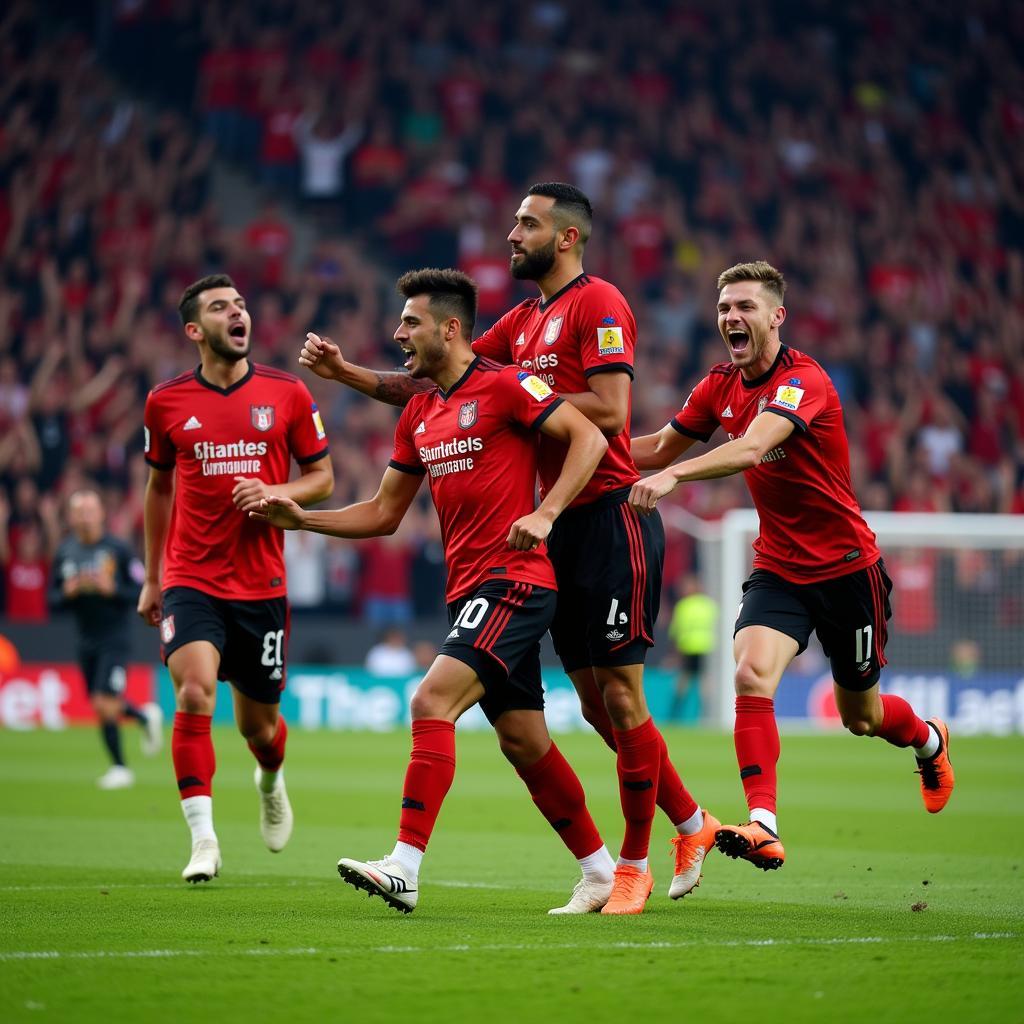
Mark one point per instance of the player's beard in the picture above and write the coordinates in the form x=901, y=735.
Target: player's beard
x=430, y=357
x=534, y=265
x=220, y=348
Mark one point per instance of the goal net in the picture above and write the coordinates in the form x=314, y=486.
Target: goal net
x=956, y=638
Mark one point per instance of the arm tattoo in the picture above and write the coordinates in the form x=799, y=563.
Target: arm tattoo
x=397, y=388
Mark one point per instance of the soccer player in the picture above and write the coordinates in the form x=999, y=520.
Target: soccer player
x=218, y=439
x=578, y=337
x=97, y=577
x=473, y=435
x=816, y=564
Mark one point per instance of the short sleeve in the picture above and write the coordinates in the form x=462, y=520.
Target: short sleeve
x=606, y=331
x=158, y=449
x=696, y=418
x=307, y=438
x=405, y=457
x=801, y=397
x=527, y=400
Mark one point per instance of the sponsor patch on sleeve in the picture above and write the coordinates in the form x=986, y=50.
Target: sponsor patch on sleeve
x=788, y=397
x=145, y=434
x=609, y=341
x=318, y=424
x=535, y=386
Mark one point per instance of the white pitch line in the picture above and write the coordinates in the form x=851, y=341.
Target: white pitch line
x=159, y=954
x=182, y=887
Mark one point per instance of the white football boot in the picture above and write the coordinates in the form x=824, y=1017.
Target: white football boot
x=588, y=897
x=385, y=878
x=117, y=776
x=276, y=818
x=153, y=731
x=205, y=863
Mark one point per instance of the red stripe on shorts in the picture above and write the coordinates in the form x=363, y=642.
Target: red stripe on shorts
x=498, y=620
x=638, y=563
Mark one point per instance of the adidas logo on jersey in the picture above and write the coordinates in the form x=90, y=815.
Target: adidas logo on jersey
x=276, y=674
x=421, y=429
x=614, y=634
x=521, y=340
x=192, y=424
x=727, y=412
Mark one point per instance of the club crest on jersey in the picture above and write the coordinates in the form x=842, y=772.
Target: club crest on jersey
x=467, y=414
x=167, y=629
x=609, y=341
x=262, y=416
x=761, y=403
x=554, y=329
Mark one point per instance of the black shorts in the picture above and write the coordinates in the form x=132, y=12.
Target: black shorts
x=496, y=631
x=251, y=636
x=105, y=672
x=607, y=560
x=849, y=614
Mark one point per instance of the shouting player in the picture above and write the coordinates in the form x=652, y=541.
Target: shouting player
x=816, y=564
x=218, y=439
x=473, y=435
x=578, y=336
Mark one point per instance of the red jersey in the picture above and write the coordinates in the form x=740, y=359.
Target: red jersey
x=477, y=445
x=210, y=435
x=811, y=525
x=584, y=329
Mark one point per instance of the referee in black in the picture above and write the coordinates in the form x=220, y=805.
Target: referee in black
x=98, y=577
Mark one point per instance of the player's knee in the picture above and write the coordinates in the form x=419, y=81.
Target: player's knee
x=426, y=703
x=620, y=702
x=752, y=680
x=258, y=734
x=520, y=751
x=194, y=698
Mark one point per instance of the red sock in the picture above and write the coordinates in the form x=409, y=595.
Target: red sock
x=271, y=757
x=558, y=794
x=192, y=754
x=757, y=750
x=638, y=764
x=900, y=726
x=427, y=779
x=673, y=797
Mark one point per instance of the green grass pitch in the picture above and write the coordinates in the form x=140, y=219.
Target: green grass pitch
x=881, y=913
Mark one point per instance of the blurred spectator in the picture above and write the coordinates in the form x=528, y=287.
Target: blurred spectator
x=390, y=655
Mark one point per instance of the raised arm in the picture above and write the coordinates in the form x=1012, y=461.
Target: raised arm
x=767, y=431
x=324, y=358
x=586, y=449
x=374, y=518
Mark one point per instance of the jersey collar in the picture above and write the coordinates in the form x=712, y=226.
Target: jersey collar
x=758, y=381
x=561, y=291
x=228, y=390
x=462, y=380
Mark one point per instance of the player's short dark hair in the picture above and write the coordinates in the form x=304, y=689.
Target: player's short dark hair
x=572, y=207
x=759, y=270
x=188, y=304
x=452, y=294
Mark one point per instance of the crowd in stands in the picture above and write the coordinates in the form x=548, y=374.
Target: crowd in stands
x=873, y=152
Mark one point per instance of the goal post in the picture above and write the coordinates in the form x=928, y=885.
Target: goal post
x=956, y=639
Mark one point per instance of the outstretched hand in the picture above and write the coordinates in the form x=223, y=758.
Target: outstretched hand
x=323, y=357
x=277, y=511
x=646, y=493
